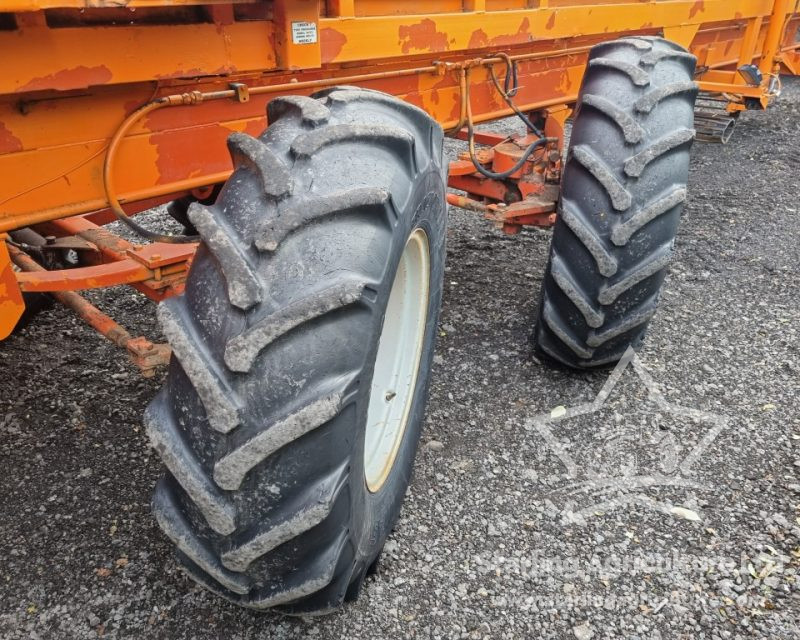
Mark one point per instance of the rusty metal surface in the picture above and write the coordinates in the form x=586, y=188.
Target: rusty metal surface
x=146, y=355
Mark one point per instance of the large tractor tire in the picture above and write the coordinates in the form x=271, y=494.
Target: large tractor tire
x=302, y=347
x=622, y=193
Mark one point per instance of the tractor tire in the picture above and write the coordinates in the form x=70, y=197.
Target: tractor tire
x=286, y=459
x=622, y=194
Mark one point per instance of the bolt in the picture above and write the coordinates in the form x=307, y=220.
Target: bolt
x=50, y=239
x=390, y=395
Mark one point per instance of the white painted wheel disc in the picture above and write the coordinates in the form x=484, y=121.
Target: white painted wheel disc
x=397, y=362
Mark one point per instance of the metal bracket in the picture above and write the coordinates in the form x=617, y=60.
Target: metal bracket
x=242, y=91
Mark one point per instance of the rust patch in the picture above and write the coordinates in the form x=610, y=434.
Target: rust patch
x=186, y=149
x=9, y=143
x=255, y=127
x=331, y=44
x=565, y=82
x=196, y=72
x=551, y=22
x=698, y=6
x=191, y=152
x=522, y=35
x=478, y=40
x=76, y=78
x=422, y=36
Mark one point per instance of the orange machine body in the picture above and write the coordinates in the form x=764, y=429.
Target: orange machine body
x=76, y=70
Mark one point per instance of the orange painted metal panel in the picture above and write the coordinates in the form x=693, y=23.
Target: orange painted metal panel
x=72, y=86
x=387, y=36
x=11, y=303
x=34, y=5
x=81, y=57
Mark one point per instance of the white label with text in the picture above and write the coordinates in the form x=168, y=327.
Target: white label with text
x=304, y=32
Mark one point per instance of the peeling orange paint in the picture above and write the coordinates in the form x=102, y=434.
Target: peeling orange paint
x=331, y=42
x=698, y=6
x=521, y=36
x=76, y=78
x=422, y=36
x=478, y=39
x=8, y=141
x=565, y=83
x=196, y=72
x=551, y=22
x=184, y=154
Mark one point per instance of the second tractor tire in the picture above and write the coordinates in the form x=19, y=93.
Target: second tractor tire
x=622, y=193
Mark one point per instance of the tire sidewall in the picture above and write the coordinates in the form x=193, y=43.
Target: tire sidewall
x=374, y=514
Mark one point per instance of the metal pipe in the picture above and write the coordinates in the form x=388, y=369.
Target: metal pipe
x=103, y=323
x=146, y=355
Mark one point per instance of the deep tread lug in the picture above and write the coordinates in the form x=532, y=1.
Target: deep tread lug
x=244, y=290
x=633, y=320
x=652, y=210
x=632, y=130
x=310, y=111
x=271, y=232
x=315, y=506
x=559, y=331
x=166, y=439
x=649, y=267
x=308, y=144
x=606, y=263
x=174, y=524
x=231, y=469
x=247, y=151
x=594, y=317
x=594, y=164
x=636, y=165
x=216, y=396
x=242, y=350
x=648, y=101
x=348, y=96
x=652, y=58
x=322, y=575
x=638, y=76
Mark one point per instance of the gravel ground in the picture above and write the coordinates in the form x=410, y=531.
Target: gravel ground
x=496, y=538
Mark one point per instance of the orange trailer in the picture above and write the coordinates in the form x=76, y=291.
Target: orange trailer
x=324, y=121
x=166, y=83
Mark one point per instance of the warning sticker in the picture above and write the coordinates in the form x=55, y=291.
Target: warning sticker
x=304, y=32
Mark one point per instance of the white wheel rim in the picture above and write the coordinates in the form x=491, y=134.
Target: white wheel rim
x=397, y=362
